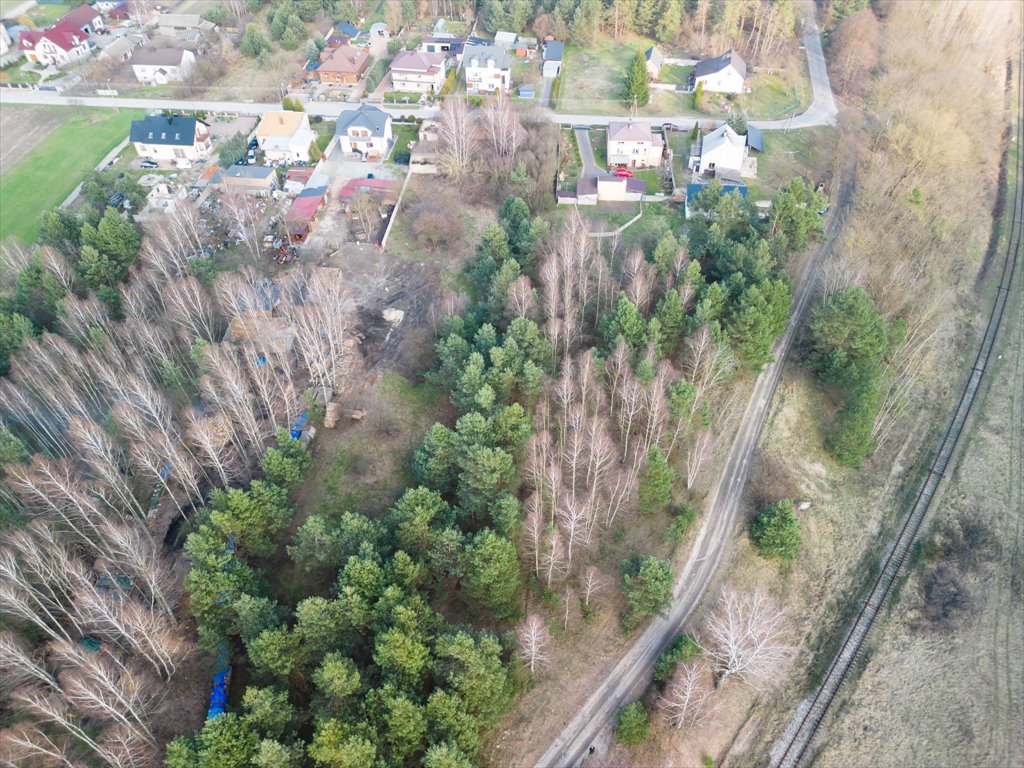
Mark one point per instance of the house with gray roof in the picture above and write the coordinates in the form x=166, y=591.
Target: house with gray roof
x=722, y=74
x=633, y=144
x=365, y=132
x=258, y=180
x=171, y=139
x=654, y=60
x=488, y=69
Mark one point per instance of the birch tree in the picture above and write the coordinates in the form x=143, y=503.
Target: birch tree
x=534, y=642
x=746, y=637
x=457, y=137
x=687, y=700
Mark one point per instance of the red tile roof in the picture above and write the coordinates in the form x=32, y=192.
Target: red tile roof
x=367, y=185
x=63, y=34
x=304, y=208
x=80, y=16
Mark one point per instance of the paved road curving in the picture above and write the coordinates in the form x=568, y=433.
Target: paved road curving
x=592, y=723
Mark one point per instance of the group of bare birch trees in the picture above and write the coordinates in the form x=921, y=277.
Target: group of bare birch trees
x=133, y=421
x=595, y=424
x=463, y=132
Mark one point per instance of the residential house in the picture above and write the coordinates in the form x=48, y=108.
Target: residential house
x=175, y=139
x=591, y=190
x=723, y=74
x=417, y=72
x=120, y=49
x=446, y=44
x=722, y=151
x=554, y=52
x=258, y=180
x=120, y=12
x=488, y=69
x=285, y=137
x=654, y=62
x=365, y=131
x=162, y=65
x=633, y=144
x=61, y=44
x=344, y=65
x=85, y=18
x=505, y=40
x=184, y=26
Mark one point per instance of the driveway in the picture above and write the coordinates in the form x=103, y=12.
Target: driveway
x=545, y=93
x=590, y=166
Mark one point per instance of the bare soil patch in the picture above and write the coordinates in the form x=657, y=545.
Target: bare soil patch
x=22, y=128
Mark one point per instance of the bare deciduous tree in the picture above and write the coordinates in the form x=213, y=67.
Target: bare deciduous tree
x=686, y=703
x=702, y=447
x=534, y=641
x=746, y=637
x=502, y=130
x=457, y=137
x=244, y=213
x=592, y=583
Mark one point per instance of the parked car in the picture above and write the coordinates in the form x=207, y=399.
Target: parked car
x=251, y=157
x=149, y=164
x=623, y=173
x=253, y=144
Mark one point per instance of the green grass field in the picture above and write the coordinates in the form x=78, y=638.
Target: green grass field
x=48, y=174
x=403, y=135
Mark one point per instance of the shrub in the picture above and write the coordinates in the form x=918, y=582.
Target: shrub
x=776, y=531
x=634, y=724
x=682, y=520
x=683, y=649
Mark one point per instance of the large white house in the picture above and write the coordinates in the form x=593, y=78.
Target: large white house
x=633, y=144
x=61, y=44
x=365, y=132
x=488, y=69
x=285, y=137
x=175, y=139
x=722, y=152
x=723, y=74
x=417, y=72
x=162, y=65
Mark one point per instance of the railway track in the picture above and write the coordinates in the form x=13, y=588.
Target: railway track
x=800, y=733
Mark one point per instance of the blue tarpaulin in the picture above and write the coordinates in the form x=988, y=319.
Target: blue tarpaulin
x=299, y=425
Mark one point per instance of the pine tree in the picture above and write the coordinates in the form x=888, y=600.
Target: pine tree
x=655, y=490
x=638, y=88
x=776, y=531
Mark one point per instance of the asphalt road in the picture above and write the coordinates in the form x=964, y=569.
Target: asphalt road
x=590, y=166
x=592, y=724
x=822, y=110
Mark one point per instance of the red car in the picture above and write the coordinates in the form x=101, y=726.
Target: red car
x=623, y=173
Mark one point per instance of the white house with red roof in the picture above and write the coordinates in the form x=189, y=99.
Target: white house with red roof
x=633, y=144
x=60, y=44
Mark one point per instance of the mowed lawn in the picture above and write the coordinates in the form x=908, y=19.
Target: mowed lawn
x=47, y=174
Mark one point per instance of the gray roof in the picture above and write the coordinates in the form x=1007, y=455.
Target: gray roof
x=366, y=116
x=755, y=138
x=728, y=59
x=158, y=57
x=259, y=172
x=504, y=39
x=482, y=53
x=554, y=51
x=653, y=55
x=157, y=129
x=627, y=130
